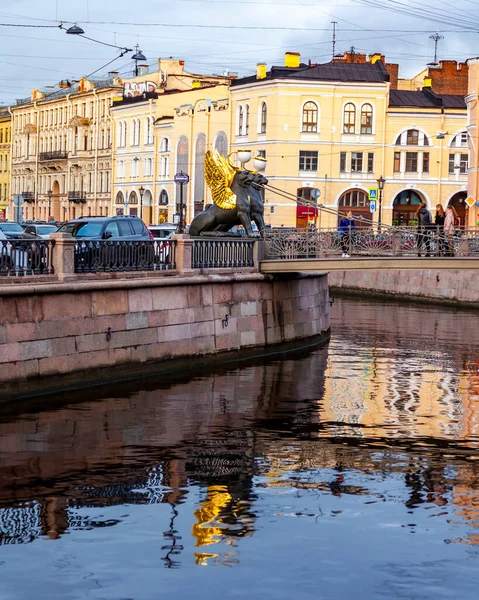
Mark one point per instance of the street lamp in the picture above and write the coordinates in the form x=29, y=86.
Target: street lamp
x=50, y=194
x=142, y=191
x=381, y=182
x=136, y=57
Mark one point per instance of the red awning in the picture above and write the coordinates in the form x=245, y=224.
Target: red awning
x=306, y=211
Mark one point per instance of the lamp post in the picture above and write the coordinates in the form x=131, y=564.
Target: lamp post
x=125, y=203
x=50, y=194
x=142, y=191
x=381, y=182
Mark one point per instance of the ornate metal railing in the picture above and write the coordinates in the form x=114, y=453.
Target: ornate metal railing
x=395, y=241
x=77, y=197
x=55, y=155
x=217, y=254
x=106, y=256
x=28, y=196
x=26, y=257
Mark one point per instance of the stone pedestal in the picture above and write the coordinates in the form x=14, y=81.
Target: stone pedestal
x=63, y=255
x=184, y=253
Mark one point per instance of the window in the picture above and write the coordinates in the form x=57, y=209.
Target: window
x=452, y=162
x=261, y=153
x=411, y=162
x=412, y=137
x=165, y=145
x=397, y=162
x=264, y=116
x=342, y=162
x=356, y=162
x=308, y=160
x=463, y=163
x=221, y=143
x=354, y=199
x=240, y=120
x=124, y=226
x=310, y=117
x=349, y=118
x=460, y=140
x=112, y=228
x=425, y=162
x=370, y=162
x=148, y=167
x=367, y=119
x=304, y=194
x=163, y=197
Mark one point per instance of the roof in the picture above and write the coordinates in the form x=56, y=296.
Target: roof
x=62, y=92
x=425, y=98
x=332, y=71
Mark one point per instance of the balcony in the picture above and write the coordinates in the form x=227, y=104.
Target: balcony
x=56, y=155
x=28, y=196
x=77, y=197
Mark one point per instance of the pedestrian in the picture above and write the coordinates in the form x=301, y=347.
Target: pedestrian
x=424, y=224
x=449, y=229
x=439, y=223
x=346, y=224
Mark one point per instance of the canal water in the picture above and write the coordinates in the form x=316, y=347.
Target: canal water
x=351, y=471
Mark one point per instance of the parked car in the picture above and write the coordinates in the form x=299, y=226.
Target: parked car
x=107, y=228
x=163, y=231
x=40, y=230
x=14, y=231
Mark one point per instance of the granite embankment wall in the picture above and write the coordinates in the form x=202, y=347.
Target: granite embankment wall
x=459, y=288
x=71, y=328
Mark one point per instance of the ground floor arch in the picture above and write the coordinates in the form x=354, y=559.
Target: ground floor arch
x=405, y=205
x=458, y=200
x=54, y=208
x=146, y=207
x=356, y=201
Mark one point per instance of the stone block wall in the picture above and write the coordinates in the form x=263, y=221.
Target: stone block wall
x=62, y=329
x=444, y=287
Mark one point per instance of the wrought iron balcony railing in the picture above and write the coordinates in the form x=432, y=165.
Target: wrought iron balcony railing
x=77, y=197
x=28, y=196
x=56, y=155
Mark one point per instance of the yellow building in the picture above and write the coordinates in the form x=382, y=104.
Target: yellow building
x=162, y=132
x=473, y=138
x=5, y=140
x=339, y=127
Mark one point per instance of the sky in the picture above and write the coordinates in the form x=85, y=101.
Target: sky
x=213, y=36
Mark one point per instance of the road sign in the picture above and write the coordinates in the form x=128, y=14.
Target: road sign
x=315, y=193
x=372, y=206
x=373, y=193
x=470, y=201
x=181, y=177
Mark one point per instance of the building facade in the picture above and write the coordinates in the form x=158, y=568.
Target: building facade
x=341, y=126
x=161, y=133
x=5, y=142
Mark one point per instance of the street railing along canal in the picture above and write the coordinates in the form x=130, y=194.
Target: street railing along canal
x=366, y=242
x=214, y=254
x=26, y=257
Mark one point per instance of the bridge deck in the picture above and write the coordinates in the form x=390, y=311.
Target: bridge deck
x=368, y=264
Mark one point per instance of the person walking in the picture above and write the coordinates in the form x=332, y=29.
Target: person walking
x=346, y=224
x=449, y=229
x=424, y=224
x=439, y=234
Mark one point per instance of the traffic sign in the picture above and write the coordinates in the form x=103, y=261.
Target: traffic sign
x=373, y=193
x=181, y=177
x=315, y=193
x=372, y=206
x=470, y=201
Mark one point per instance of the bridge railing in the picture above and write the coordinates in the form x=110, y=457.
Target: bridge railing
x=26, y=257
x=366, y=242
x=218, y=254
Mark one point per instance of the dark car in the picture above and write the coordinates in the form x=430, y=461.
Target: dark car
x=14, y=231
x=107, y=228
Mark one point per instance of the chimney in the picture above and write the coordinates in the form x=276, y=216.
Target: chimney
x=427, y=82
x=113, y=74
x=373, y=58
x=292, y=60
x=261, y=71
x=142, y=69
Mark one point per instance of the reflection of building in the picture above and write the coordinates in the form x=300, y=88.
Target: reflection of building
x=339, y=126
x=5, y=142
x=159, y=134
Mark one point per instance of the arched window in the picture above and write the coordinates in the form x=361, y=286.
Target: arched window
x=412, y=137
x=138, y=128
x=199, y=177
x=263, y=117
x=246, y=120
x=221, y=143
x=124, y=134
x=240, y=120
x=165, y=145
x=349, y=125
x=460, y=140
x=163, y=199
x=366, y=119
x=310, y=117
x=148, y=131
x=119, y=134
x=120, y=199
x=357, y=202
x=133, y=198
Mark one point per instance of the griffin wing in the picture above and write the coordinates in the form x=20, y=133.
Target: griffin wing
x=218, y=176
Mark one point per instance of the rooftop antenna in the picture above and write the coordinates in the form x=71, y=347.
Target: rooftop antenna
x=352, y=52
x=436, y=37
x=334, y=37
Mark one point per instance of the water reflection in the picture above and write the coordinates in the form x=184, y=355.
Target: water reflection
x=377, y=432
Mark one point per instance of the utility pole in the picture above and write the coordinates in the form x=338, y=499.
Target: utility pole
x=436, y=37
x=334, y=37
